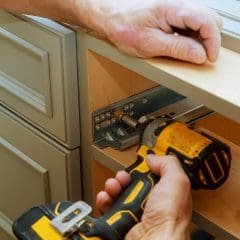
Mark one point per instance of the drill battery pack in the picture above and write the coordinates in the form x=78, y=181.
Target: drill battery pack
x=35, y=224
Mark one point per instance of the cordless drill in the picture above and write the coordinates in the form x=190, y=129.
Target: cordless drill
x=205, y=160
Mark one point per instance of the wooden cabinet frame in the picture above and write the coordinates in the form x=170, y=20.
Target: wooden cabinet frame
x=107, y=75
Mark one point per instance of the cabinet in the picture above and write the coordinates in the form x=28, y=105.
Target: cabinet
x=68, y=73
x=108, y=76
x=39, y=116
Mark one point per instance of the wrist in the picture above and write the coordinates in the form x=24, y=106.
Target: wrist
x=92, y=14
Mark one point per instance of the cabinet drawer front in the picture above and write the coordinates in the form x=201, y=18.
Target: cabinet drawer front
x=24, y=72
x=33, y=170
x=22, y=180
x=38, y=75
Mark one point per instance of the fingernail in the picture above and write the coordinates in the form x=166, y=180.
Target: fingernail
x=213, y=57
x=151, y=156
x=197, y=55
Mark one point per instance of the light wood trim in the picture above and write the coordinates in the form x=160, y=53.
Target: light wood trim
x=214, y=85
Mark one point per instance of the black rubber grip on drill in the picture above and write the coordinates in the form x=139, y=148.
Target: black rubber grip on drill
x=130, y=211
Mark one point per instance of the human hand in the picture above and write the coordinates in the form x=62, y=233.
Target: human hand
x=146, y=28
x=168, y=208
x=138, y=27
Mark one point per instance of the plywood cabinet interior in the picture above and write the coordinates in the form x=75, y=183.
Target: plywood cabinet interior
x=108, y=76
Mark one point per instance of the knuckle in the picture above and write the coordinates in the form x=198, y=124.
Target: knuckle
x=185, y=182
x=143, y=46
x=176, y=49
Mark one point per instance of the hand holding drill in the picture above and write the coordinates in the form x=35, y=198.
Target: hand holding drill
x=168, y=209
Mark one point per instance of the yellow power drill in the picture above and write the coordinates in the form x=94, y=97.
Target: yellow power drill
x=206, y=161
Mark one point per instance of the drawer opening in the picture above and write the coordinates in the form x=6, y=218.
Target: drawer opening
x=110, y=82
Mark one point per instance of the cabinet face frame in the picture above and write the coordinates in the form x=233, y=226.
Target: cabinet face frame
x=173, y=74
x=51, y=106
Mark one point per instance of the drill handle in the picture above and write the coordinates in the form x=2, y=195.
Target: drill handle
x=128, y=208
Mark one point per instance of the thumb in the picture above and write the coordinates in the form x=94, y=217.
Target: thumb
x=166, y=166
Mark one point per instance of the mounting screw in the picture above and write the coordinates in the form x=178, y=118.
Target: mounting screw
x=144, y=100
x=97, y=119
x=97, y=126
x=113, y=120
x=102, y=116
x=126, y=108
x=108, y=114
x=131, y=105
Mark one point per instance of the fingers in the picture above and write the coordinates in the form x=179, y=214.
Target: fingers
x=103, y=201
x=166, y=166
x=113, y=187
x=151, y=42
x=209, y=33
x=211, y=41
x=170, y=170
x=123, y=177
x=202, y=20
x=171, y=196
x=183, y=48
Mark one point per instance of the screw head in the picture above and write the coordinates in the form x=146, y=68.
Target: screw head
x=97, y=126
x=102, y=116
x=97, y=119
x=113, y=120
x=144, y=100
x=126, y=108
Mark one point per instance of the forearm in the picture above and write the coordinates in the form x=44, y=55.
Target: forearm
x=79, y=12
